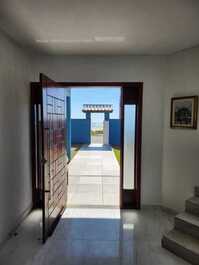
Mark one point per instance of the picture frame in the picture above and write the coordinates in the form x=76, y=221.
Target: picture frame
x=184, y=112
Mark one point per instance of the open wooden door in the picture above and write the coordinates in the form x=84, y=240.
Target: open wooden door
x=131, y=123
x=54, y=155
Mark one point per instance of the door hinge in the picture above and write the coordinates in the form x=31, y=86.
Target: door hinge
x=43, y=161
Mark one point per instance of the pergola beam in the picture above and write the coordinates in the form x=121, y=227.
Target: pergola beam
x=97, y=108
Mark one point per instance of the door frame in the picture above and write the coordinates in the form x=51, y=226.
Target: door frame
x=137, y=89
x=35, y=102
x=131, y=199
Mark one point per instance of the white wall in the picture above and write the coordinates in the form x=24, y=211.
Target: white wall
x=15, y=180
x=181, y=147
x=106, y=132
x=149, y=69
x=163, y=78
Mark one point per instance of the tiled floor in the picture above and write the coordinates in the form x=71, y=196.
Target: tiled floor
x=97, y=139
x=90, y=235
x=96, y=236
x=94, y=177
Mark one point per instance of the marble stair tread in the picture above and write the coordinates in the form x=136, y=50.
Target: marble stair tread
x=196, y=191
x=194, y=200
x=187, y=223
x=188, y=218
x=183, y=245
x=192, y=205
x=185, y=240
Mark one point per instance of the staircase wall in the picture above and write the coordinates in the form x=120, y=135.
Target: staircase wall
x=180, y=166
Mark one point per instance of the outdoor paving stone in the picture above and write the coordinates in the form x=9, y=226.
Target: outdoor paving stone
x=94, y=177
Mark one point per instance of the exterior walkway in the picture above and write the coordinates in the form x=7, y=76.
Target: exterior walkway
x=94, y=177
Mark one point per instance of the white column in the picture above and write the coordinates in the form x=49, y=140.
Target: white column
x=106, y=132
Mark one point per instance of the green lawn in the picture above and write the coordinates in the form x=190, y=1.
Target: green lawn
x=96, y=132
x=74, y=149
x=116, y=151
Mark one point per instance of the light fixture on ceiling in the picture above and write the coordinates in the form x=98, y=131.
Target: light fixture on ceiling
x=109, y=38
x=64, y=41
x=42, y=41
x=112, y=39
x=71, y=41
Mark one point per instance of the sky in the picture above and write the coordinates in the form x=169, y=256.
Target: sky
x=93, y=95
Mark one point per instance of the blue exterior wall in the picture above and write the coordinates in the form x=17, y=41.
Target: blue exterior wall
x=81, y=134
x=68, y=126
x=114, y=132
x=80, y=131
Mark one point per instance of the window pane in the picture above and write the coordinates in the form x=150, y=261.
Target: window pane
x=129, y=143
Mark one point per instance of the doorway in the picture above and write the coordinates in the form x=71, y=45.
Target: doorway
x=97, y=128
x=54, y=134
x=94, y=171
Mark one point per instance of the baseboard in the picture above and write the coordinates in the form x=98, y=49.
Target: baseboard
x=160, y=207
x=21, y=218
x=150, y=206
x=169, y=210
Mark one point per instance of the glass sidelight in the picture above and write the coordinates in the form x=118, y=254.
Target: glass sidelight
x=131, y=117
x=129, y=147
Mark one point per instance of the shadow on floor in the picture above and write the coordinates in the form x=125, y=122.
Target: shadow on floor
x=109, y=237
x=25, y=242
x=96, y=147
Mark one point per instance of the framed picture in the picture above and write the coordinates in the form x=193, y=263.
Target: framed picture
x=184, y=112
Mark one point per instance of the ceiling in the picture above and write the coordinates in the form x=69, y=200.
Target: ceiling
x=102, y=26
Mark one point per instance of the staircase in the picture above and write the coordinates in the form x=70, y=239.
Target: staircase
x=183, y=240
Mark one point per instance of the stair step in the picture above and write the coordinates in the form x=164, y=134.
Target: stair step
x=183, y=245
x=196, y=191
x=192, y=205
x=187, y=223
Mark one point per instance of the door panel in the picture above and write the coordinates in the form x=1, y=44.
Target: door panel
x=131, y=117
x=54, y=155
